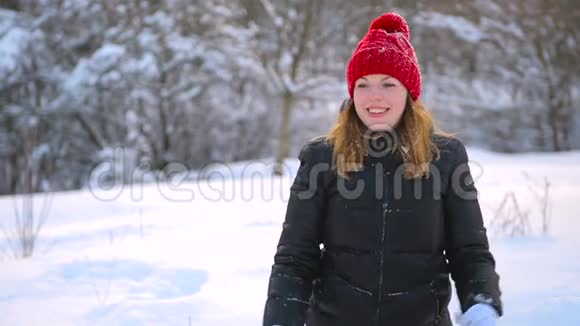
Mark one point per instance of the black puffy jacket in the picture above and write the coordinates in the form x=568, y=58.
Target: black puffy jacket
x=382, y=254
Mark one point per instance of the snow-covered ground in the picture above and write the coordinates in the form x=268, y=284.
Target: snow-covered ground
x=200, y=254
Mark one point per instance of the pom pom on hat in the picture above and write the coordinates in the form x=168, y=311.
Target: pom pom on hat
x=386, y=49
x=392, y=23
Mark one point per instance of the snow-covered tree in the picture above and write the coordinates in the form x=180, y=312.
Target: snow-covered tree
x=86, y=84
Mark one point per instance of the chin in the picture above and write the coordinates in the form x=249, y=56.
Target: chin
x=380, y=127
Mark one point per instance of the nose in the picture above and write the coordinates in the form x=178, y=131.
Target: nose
x=376, y=93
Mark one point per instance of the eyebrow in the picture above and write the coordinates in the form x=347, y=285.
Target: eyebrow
x=384, y=78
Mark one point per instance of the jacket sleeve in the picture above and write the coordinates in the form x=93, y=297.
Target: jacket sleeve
x=472, y=265
x=297, y=259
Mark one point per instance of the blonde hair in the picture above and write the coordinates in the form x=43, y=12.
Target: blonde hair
x=414, y=137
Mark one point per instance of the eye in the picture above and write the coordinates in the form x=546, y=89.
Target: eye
x=361, y=85
x=388, y=85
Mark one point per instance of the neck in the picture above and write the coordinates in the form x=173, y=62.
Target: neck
x=381, y=143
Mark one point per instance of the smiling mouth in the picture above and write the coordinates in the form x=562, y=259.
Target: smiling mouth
x=377, y=111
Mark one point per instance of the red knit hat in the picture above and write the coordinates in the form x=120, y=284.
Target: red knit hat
x=386, y=49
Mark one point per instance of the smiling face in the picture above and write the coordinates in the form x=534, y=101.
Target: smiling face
x=379, y=101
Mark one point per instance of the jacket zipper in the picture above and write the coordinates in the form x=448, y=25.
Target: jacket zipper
x=382, y=249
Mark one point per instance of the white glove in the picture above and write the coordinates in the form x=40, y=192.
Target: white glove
x=480, y=314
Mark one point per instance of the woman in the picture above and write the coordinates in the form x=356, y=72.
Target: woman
x=383, y=209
